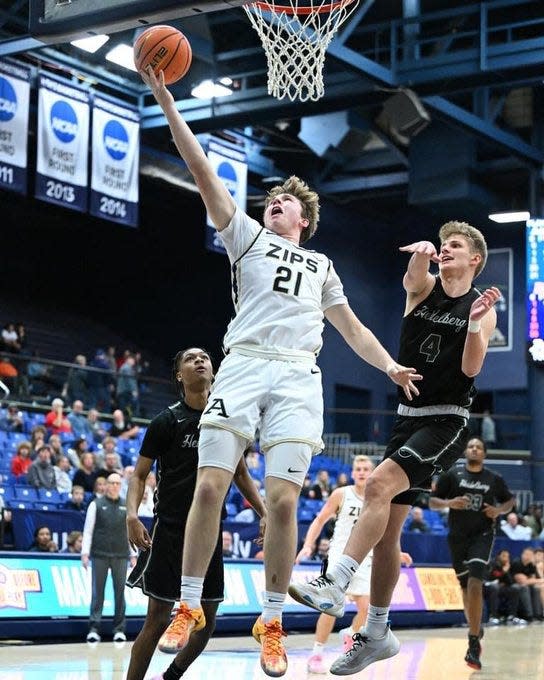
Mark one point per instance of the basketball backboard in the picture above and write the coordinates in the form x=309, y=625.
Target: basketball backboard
x=55, y=21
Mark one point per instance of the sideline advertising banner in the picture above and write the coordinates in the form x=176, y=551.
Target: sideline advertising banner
x=58, y=586
x=14, y=107
x=231, y=167
x=63, y=142
x=116, y=162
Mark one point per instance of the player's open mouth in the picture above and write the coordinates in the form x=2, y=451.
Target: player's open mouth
x=276, y=210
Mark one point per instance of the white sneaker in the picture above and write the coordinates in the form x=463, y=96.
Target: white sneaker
x=119, y=636
x=93, y=636
x=364, y=652
x=322, y=594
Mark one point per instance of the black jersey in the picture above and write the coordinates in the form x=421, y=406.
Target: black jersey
x=481, y=487
x=432, y=340
x=172, y=440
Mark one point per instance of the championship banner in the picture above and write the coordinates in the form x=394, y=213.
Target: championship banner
x=14, y=106
x=230, y=166
x=499, y=272
x=63, y=142
x=116, y=162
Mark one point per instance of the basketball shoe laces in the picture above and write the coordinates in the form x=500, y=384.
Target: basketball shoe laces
x=322, y=581
x=272, y=645
x=183, y=616
x=358, y=642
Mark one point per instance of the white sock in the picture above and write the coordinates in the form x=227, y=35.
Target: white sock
x=272, y=605
x=376, y=622
x=191, y=590
x=318, y=648
x=349, y=631
x=343, y=571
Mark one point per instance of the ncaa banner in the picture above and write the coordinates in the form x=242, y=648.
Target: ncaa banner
x=63, y=142
x=231, y=167
x=14, y=105
x=116, y=161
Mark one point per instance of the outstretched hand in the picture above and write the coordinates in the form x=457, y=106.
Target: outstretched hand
x=422, y=248
x=157, y=85
x=405, y=377
x=484, y=303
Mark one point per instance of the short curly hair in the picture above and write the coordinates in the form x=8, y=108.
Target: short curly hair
x=474, y=237
x=308, y=199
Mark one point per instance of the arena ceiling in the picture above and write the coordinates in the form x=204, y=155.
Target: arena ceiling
x=427, y=102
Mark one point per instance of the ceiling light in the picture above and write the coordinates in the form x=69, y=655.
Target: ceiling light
x=91, y=44
x=122, y=55
x=505, y=217
x=208, y=89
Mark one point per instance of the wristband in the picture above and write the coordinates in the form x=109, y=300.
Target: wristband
x=474, y=326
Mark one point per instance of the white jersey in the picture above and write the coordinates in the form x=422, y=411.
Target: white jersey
x=347, y=515
x=279, y=290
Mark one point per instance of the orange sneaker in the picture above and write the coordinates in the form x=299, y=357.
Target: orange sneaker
x=185, y=622
x=273, y=656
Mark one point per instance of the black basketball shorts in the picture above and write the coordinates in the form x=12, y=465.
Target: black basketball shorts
x=470, y=555
x=425, y=446
x=158, y=570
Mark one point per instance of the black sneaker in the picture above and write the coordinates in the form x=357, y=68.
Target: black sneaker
x=474, y=650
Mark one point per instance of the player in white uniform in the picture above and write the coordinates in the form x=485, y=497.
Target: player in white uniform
x=345, y=503
x=268, y=380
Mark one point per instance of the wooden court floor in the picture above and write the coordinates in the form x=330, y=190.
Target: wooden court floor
x=429, y=654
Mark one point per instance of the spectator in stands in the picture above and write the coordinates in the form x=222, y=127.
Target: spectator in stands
x=342, y=480
x=489, y=430
x=99, y=487
x=87, y=473
x=56, y=421
x=525, y=574
x=43, y=541
x=228, y=545
x=95, y=426
x=127, y=387
x=100, y=382
x=74, y=541
x=121, y=428
x=322, y=549
x=76, y=451
x=41, y=474
x=105, y=543
x=502, y=590
x=62, y=475
x=78, y=421
x=539, y=562
x=324, y=483
x=41, y=380
x=8, y=373
x=515, y=531
x=75, y=388
x=10, y=341
x=21, y=461
x=112, y=463
x=127, y=474
x=308, y=489
x=254, y=460
x=533, y=520
x=112, y=358
x=38, y=435
x=5, y=516
x=21, y=337
x=57, y=451
x=77, y=499
x=417, y=523
x=145, y=509
x=12, y=421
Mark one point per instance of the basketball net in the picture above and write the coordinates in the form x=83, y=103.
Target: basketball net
x=295, y=37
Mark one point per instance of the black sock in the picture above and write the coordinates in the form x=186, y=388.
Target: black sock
x=172, y=672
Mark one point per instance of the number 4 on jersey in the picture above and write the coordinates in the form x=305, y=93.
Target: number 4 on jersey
x=430, y=347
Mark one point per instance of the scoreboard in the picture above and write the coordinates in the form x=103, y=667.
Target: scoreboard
x=535, y=289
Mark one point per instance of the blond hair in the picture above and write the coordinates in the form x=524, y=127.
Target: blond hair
x=362, y=459
x=475, y=238
x=308, y=199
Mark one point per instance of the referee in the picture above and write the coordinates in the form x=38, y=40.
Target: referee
x=471, y=493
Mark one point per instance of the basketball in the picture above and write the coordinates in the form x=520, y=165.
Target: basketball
x=164, y=48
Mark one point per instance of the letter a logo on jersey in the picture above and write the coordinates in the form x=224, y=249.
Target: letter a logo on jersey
x=218, y=407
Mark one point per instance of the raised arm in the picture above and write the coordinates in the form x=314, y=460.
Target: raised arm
x=365, y=344
x=218, y=201
x=482, y=322
x=327, y=512
x=418, y=281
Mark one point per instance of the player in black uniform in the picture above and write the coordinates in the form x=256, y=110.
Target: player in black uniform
x=471, y=492
x=172, y=441
x=445, y=332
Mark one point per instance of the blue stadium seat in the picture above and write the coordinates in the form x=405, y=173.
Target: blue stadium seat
x=7, y=493
x=26, y=493
x=231, y=508
x=49, y=495
x=305, y=515
x=40, y=505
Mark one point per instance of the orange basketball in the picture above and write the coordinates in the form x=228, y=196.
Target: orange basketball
x=165, y=49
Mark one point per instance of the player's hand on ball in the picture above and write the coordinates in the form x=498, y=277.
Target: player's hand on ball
x=161, y=93
x=405, y=377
